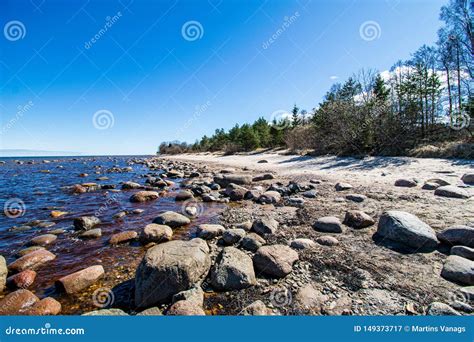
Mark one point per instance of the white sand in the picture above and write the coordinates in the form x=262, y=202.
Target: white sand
x=361, y=171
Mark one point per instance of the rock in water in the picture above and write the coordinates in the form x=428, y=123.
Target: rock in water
x=46, y=306
x=43, y=240
x=156, y=233
x=358, y=219
x=172, y=219
x=123, y=237
x=86, y=222
x=91, y=234
x=80, y=280
x=15, y=302
x=407, y=229
x=3, y=273
x=169, y=268
x=144, y=196
x=328, y=224
x=459, y=270
x=451, y=191
x=457, y=235
x=21, y=280
x=233, y=270
x=183, y=195
x=31, y=260
x=275, y=261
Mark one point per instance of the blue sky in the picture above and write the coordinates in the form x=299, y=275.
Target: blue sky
x=151, y=80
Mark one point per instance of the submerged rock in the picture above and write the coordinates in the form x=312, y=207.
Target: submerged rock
x=123, y=237
x=80, y=280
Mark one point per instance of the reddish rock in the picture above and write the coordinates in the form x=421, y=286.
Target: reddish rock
x=43, y=240
x=21, y=280
x=29, y=250
x=79, y=280
x=31, y=260
x=144, y=196
x=46, y=306
x=15, y=302
x=123, y=237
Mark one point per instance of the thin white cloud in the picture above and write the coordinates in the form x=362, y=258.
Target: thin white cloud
x=333, y=77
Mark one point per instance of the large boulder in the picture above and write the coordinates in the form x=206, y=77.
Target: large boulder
x=156, y=233
x=169, y=268
x=80, y=280
x=172, y=219
x=459, y=270
x=144, y=196
x=328, y=224
x=407, y=229
x=225, y=179
x=275, y=260
x=265, y=225
x=3, y=273
x=31, y=260
x=457, y=235
x=451, y=191
x=233, y=270
x=86, y=222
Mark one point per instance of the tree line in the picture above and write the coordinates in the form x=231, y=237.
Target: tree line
x=425, y=99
